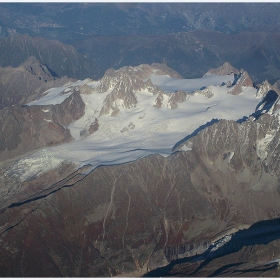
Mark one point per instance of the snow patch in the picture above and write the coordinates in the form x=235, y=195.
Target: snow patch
x=274, y=261
x=230, y=156
x=186, y=148
x=221, y=242
x=57, y=95
x=262, y=145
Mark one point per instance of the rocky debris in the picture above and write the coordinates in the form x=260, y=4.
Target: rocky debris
x=241, y=80
x=225, y=69
x=88, y=130
x=130, y=126
x=135, y=217
x=31, y=127
x=25, y=83
x=207, y=92
x=239, y=154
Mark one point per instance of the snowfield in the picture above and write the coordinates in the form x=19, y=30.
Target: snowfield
x=143, y=130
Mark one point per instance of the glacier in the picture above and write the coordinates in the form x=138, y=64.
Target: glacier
x=152, y=130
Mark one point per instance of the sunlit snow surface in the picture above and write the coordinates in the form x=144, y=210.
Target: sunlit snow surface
x=156, y=130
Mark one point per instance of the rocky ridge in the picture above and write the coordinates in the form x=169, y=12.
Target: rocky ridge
x=125, y=82
x=242, y=79
x=225, y=69
x=26, y=82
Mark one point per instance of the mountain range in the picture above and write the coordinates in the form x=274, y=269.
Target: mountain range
x=68, y=21
x=89, y=38
x=83, y=195
x=139, y=139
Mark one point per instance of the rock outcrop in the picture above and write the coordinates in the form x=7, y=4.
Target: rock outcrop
x=31, y=127
x=241, y=80
x=124, y=83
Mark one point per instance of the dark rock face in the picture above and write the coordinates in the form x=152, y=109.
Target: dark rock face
x=241, y=264
x=242, y=79
x=31, y=127
x=123, y=90
x=93, y=127
x=135, y=217
x=177, y=97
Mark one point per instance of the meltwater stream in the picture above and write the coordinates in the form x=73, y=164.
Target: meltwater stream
x=262, y=232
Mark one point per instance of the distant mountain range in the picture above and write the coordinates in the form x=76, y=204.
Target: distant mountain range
x=190, y=53
x=188, y=37
x=69, y=22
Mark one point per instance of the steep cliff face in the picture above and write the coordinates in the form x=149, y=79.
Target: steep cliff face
x=242, y=79
x=132, y=218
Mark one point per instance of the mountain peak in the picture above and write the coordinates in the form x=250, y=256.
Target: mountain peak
x=242, y=79
x=225, y=69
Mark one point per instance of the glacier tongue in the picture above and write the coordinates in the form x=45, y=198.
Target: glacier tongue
x=33, y=165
